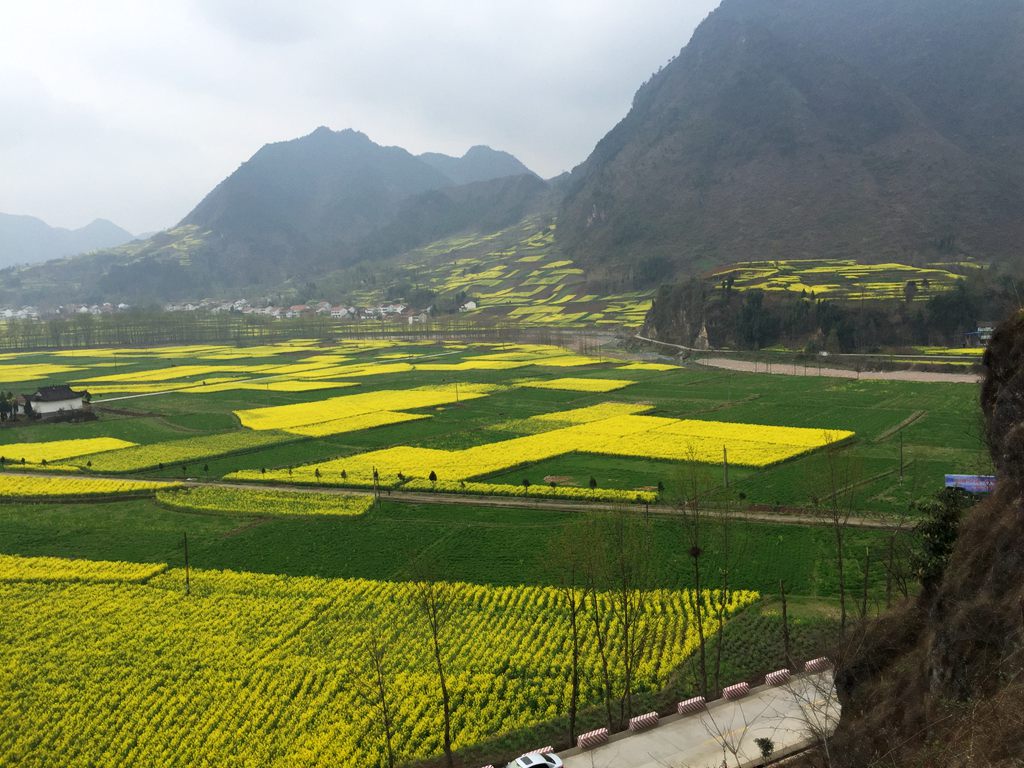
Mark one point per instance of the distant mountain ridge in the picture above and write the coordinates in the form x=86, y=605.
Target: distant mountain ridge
x=480, y=163
x=811, y=129
x=300, y=209
x=26, y=239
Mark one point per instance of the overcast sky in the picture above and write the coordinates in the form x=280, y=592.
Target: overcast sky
x=133, y=109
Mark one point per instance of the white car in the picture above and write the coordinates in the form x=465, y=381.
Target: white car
x=536, y=760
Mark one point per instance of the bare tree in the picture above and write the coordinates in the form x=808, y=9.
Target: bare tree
x=818, y=709
x=731, y=546
x=570, y=550
x=731, y=727
x=693, y=483
x=786, y=645
x=836, y=509
x=598, y=611
x=631, y=545
x=376, y=655
x=435, y=599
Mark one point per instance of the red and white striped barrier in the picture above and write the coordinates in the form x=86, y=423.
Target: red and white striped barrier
x=691, y=706
x=818, y=665
x=541, y=751
x=643, y=722
x=737, y=691
x=778, y=677
x=593, y=738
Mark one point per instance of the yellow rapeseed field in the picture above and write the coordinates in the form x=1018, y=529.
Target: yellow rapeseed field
x=55, y=450
x=14, y=568
x=263, y=502
x=580, y=385
x=355, y=423
x=655, y=437
x=18, y=487
x=649, y=367
x=12, y=374
x=257, y=670
x=288, y=417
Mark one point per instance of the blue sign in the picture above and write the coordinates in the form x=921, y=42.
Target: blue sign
x=972, y=483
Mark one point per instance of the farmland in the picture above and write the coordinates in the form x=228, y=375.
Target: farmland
x=844, y=278
x=284, y=688
x=516, y=275
x=499, y=414
x=295, y=568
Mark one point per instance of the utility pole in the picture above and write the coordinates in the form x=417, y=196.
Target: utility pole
x=188, y=583
x=725, y=464
x=901, y=455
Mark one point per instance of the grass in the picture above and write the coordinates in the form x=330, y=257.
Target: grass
x=463, y=543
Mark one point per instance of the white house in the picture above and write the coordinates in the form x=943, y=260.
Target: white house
x=52, y=400
x=469, y=306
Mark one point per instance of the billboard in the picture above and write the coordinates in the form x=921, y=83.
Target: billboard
x=972, y=483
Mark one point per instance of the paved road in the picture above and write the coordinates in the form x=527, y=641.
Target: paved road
x=799, y=369
x=782, y=367
x=790, y=716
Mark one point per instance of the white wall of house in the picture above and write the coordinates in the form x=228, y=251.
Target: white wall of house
x=74, y=404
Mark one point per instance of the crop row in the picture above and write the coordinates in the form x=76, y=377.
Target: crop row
x=173, y=452
x=612, y=495
x=263, y=502
x=14, y=568
x=23, y=487
x=49, y=451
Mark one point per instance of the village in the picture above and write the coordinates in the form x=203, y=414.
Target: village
x=391, y=311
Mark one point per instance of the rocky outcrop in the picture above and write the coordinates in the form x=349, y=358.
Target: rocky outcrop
x=942, y=679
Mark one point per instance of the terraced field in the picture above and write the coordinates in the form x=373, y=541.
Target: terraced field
x=844, y=278
x=517, y=274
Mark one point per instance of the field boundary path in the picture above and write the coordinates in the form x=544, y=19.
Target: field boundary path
x=506, y=502
x=793, y=716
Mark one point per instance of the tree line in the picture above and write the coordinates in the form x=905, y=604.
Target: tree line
x=755, y=319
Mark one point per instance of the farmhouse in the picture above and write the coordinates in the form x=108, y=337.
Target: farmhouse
x=49, y=401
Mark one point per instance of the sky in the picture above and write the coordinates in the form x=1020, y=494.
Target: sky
x=132, y=110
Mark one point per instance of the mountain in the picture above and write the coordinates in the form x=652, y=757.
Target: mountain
x=26, y=239
x=297, y=210
x=816, y=128
x=480, y=163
